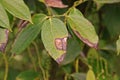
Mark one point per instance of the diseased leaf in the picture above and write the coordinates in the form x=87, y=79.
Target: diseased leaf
x=4, y=21
x=82, y=28
x=118, y=45
x=55, y=3
x=27, y=35
x=17, y=8
x=106, y=1
x=28, y=75
x=90, y=75
x=3, y=38
x=54, y=37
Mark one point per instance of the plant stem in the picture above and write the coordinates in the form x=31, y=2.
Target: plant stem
x=77, y=65
x=32, y=58
x=66, y=77
x=6, y=66
x=39, y=61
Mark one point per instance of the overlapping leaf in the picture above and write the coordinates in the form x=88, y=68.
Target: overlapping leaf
x=82, y=28
x=118, y=45
x=26, y=36
x=17, y=8
x=4, y=21
x=54, y=37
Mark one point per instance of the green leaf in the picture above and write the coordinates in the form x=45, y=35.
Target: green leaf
x=90, y=75
x=27, y=35
x=111, y=19
x=79, y=76
x=107, y=1
x=17, y=8
x=72, y=48
x=82, y=28
x=2, y=35
x=54, y=36
x=28, y=75
x=4, y=21
x=118, y=45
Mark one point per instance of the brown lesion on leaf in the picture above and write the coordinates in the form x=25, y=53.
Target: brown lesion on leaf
x=61, y=58
x=61, y=43
x=86, y=41
x=55, y=3
x=3, y=45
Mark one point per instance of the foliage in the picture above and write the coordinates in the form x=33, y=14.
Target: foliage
x=59, y=39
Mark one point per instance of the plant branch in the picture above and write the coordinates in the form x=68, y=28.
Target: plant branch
x=32, y=58
x=39, y=61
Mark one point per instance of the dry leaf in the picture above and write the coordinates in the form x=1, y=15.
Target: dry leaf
x=55, y=3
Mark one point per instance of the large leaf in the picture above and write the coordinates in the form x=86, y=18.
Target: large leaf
x=118, y=45
x=28, y=34
x=3, y=38
x=54, y=37
x=17, y=8
x=82, y=28
x=90, y=75
x=4, y=21
x=28, y=75
x=73, y=47
x=107, y=1
x=111, y=19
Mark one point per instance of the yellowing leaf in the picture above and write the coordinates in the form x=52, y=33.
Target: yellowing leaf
x=17, y=8
x=118, y=45
x=107, y=1
x=54, y=37
x=82, y=28
x=90, y=75
x=4, y=21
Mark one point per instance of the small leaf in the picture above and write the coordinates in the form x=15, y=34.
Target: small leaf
x=28, y=34
x=3, y=38
x=107, y=1
x=28, y=75
x=118, y=45
x=82, y=28
x=54, y=37
x=90, y=75
x=17, y=8
x=55, y=3
x=4, y=21
x=79, y=76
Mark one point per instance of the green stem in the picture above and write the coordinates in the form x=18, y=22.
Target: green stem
x=39, y=61
x=66, y=77
x=32, y=58
x=77, y=65
x=6, y=66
